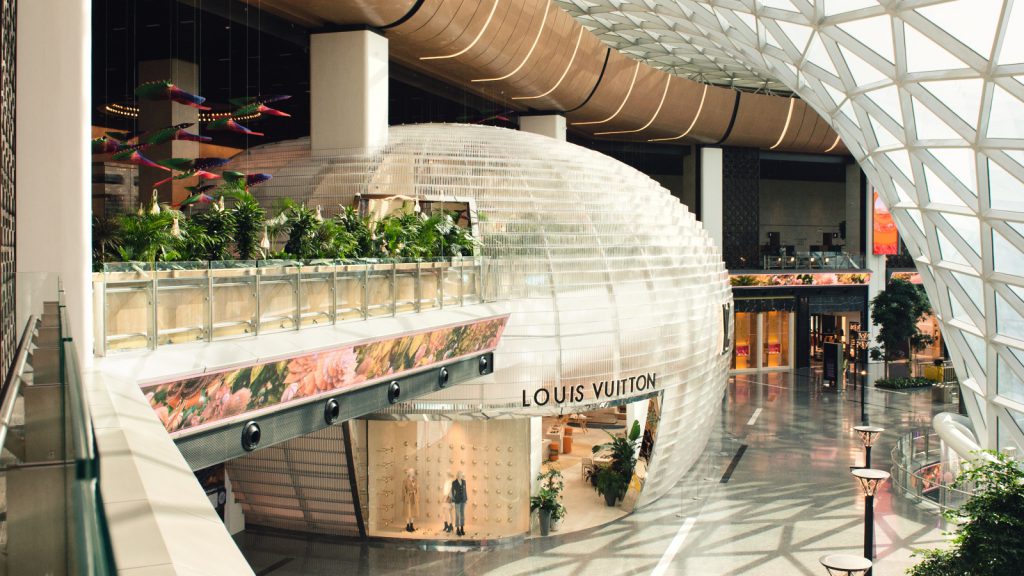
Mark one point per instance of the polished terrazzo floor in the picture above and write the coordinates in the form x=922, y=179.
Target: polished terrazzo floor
x=788, y=499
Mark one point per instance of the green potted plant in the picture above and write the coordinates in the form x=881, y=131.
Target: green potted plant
x=611, y=484
x=896, y=310
x=612, y=481
x=548, y=499
x=989, y=537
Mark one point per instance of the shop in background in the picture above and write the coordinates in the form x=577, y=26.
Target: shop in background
x=764, y=340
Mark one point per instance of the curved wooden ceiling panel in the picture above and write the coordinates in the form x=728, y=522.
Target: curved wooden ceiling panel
x=530, y=55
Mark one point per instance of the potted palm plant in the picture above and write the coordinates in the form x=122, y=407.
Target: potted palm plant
x=613, y=480
x=548, y=500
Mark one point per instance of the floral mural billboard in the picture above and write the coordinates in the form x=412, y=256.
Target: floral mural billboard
x=806, y=279
x=192, y=404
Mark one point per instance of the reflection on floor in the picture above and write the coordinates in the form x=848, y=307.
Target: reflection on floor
x=584, y=506
x=789, y=499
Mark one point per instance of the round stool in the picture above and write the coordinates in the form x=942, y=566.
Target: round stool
x=845, y=564
x=553, y=451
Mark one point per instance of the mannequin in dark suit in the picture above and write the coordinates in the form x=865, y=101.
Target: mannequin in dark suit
x=459, y=496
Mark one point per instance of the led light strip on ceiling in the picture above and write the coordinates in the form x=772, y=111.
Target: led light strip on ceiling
x=547, y=10
x=834, y=144
x=579, y=37
x=471, y=44
x=700, y=108
x=668, y=78
x=785, y=128
x=632, y=82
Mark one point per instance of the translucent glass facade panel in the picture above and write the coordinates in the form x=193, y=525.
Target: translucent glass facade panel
x=606, y=275
x=938, y=127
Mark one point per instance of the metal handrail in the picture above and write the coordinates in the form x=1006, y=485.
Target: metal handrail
x=12, y=384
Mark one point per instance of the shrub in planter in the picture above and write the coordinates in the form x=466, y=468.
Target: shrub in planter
x=549, y=499
x=903, y=383
x=989, y=540
x=611, y=484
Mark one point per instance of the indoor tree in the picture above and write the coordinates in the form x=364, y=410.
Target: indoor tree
x=896, y=310
x=249, y=219
x=989, y=539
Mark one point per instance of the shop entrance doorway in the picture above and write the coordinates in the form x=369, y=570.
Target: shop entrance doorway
x=570, y=439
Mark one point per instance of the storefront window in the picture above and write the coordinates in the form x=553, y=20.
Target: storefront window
x=775, y=335
x=412, y=465
x=746, y=340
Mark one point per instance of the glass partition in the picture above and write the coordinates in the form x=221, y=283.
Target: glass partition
x=145, y=305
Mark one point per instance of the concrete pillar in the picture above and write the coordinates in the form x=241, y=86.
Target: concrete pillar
x=158, y=114
x=711, y=192
x=854, y=197
x=550, y=125
x=348, y=90
x=53, y=205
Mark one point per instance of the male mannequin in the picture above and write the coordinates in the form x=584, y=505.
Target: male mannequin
x=459, y=497
x=410, y=498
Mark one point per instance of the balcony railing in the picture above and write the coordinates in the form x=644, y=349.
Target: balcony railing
x=146, y=305
x=818, y=260
x=923, y=470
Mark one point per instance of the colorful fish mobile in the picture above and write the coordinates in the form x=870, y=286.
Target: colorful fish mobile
x=231, y=177
x=106, y=145
x=200, y=197
x=192, y=168
x=229, y=125
x=175, y=132
x=132, y=155
x=258, y=105
x=166, y=90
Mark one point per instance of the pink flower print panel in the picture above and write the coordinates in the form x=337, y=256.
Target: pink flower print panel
x=189, y=405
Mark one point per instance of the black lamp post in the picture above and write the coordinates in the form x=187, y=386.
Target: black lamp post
x=870, y=481
x=868, y=434
x=863, y=402
x=845, y=564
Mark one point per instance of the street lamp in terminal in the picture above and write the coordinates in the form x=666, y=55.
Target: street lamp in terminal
x=863, y=402
x=845, y=564
x=870, y=481
x=868, y=435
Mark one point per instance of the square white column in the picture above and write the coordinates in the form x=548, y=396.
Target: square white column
x=550, y=125
x=348, y=90
x=711, y=209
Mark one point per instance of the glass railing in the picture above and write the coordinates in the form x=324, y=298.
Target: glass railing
x=55, y=520
x=924, y=470
x=809, y=260
x=146, y=305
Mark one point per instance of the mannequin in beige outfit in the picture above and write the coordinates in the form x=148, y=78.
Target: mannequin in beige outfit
x=410, y=498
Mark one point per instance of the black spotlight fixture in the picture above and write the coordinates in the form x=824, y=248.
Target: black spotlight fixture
x=442, y=377
x=485, y=365
x=394, y=391
x=332, y=411
x=251, y=435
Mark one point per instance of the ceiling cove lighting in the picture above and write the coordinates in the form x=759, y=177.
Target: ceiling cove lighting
x=471, y=44
x=616, y=113
x=564, y=72
x=834, y=144
x=668, y=78
x=785, y=128
x=547, y=9
x=700, y=107
x=128, y=111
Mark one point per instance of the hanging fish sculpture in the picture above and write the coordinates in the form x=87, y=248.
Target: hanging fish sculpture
x=132, y=155
x=176, y=132
x=199, y=189
x=258, y=105
x=200, y=197
x=231, y=126
x=232, y=177
x=166, y=90
x=192, y=167
x=106, y=145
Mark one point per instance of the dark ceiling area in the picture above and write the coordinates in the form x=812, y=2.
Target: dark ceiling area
x=244, y=52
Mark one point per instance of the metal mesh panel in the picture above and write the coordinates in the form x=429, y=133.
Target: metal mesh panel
x=7, y=223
